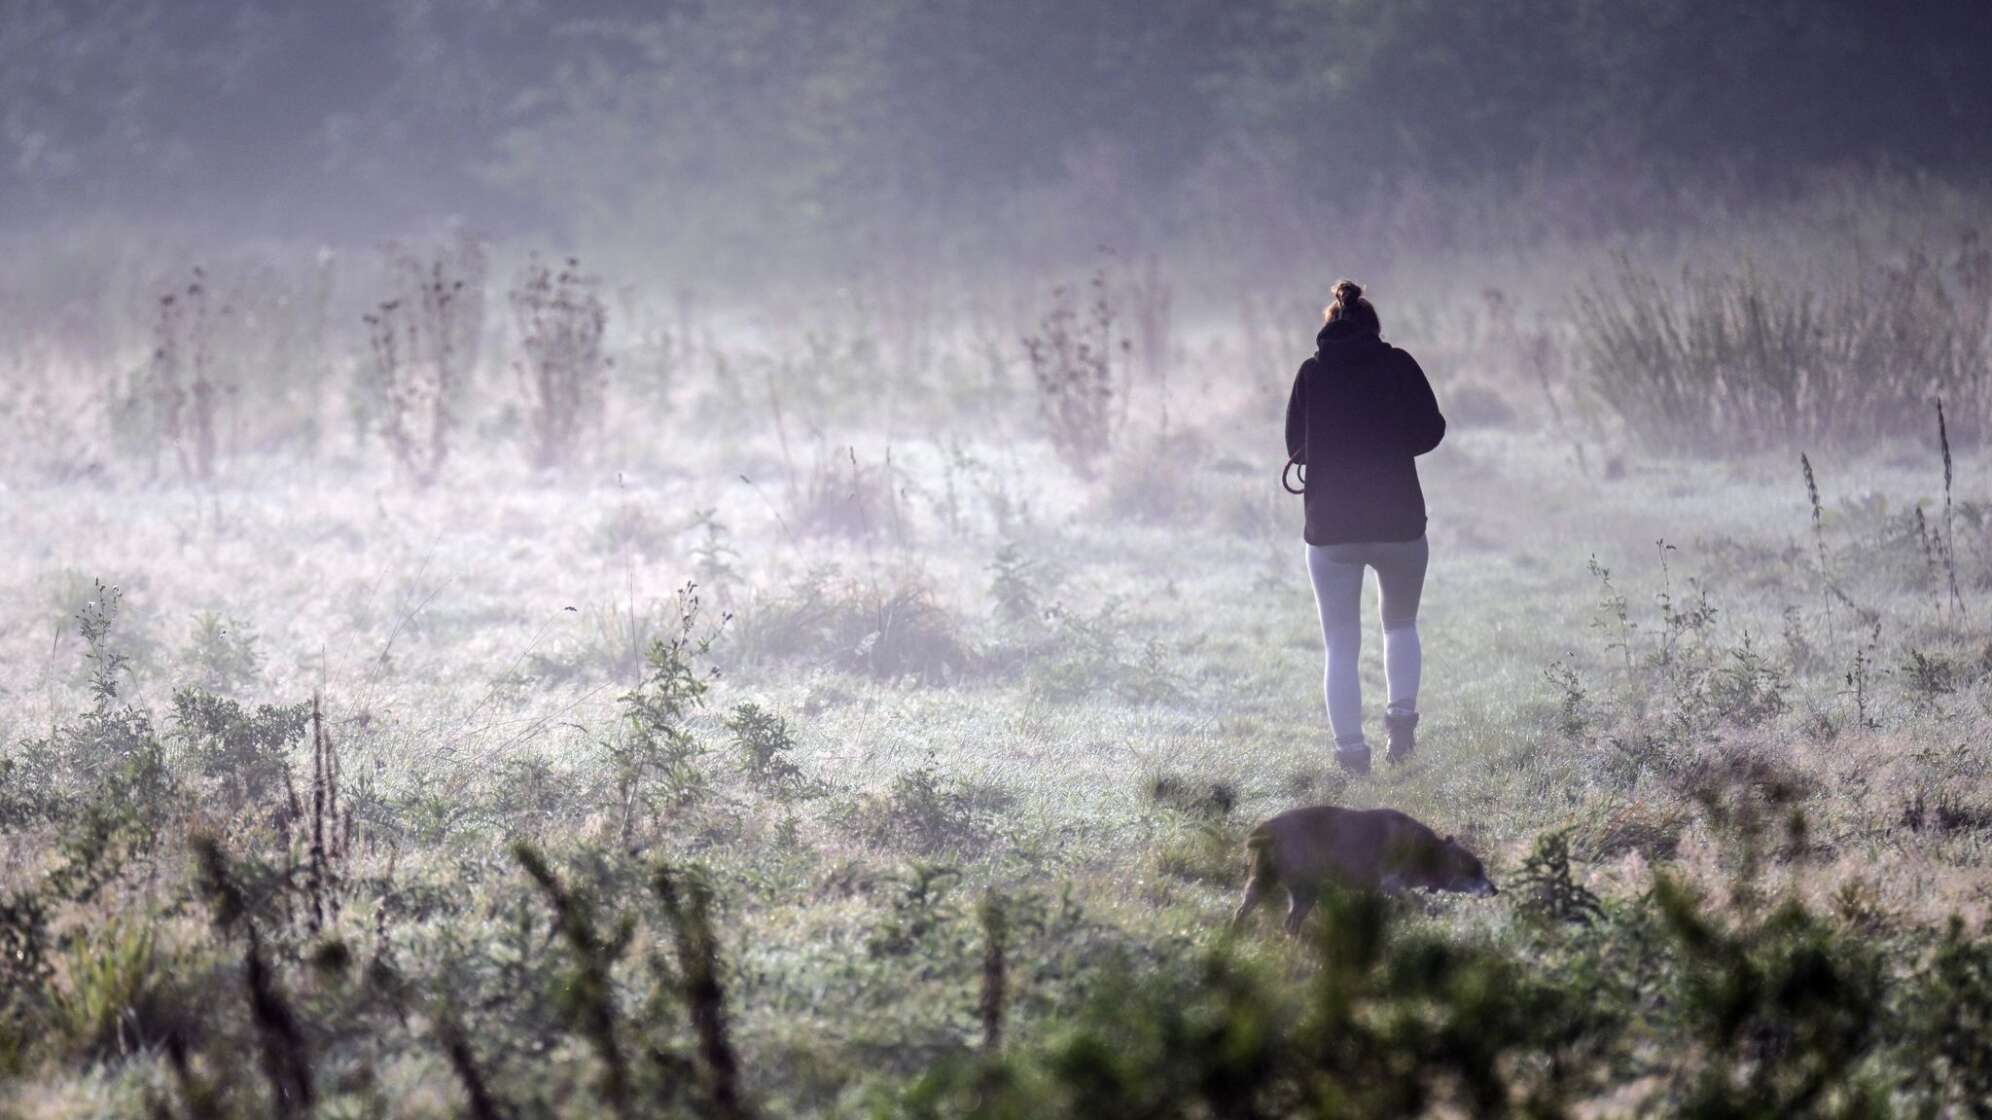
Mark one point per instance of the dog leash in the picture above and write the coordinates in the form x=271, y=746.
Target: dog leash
x=1297, y=470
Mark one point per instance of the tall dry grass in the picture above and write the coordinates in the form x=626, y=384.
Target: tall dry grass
x=1728, y=358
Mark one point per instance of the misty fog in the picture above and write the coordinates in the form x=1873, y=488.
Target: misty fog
x=731, y=558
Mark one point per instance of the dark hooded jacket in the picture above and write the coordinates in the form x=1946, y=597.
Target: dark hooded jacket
x=1360, y=412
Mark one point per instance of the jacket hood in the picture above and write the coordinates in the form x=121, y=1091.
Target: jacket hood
x=1344, y=339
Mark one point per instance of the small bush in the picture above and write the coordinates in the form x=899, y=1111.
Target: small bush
x=1945, y=1018
x=249, y=752
x=1016, y=584
x=1573, y=714
x=922, y=907
x=1546, y=888
x=561, y=322
x=25, y=795
x=1390, y=1026
x=1072, y=358
x=889, y=630
x=763, y=742
x=713, y=556
x=1782, y=1009
x=221, y=654
x=423, y=340
x=531, y=796
x=922, y=810
x=1088, y=655
x=654, y=758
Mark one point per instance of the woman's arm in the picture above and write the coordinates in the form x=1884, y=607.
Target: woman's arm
x=1296, y=419
x=1424, y=425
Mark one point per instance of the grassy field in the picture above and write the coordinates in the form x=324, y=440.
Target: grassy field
x=1722, y=745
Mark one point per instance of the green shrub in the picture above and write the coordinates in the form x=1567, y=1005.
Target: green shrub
x=763, y=742
x=221, y=654
x=654, y=759
x=1945, y=1019
x=247, y=751
x=922, y=907
x=1779, y=1012
x=923, y=810
x=27, y=794
x=1390, y=1026
x=121, y=993
x=1546, y=889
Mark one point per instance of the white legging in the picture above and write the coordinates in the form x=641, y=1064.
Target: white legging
x=1337, y=572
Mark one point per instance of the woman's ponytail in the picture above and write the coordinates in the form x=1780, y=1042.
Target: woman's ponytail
x=1350, y=305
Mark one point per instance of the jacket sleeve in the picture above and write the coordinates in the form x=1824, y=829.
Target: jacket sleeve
x=1424, y=425
x=1296, y=420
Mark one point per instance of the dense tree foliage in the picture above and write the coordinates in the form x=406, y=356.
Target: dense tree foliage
x=754, y=119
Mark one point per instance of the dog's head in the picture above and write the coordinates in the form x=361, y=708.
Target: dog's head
x=1462, y=871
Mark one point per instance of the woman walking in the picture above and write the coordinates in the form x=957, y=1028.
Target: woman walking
x=1360, y=413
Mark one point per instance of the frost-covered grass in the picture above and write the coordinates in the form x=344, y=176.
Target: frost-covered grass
x=471, y=706
x=950, y=737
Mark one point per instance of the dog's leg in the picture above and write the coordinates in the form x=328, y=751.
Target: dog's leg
x=1254, y=890
x=1303, y=901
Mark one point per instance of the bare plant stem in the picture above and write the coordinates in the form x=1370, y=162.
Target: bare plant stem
x=1950, y=535
x=995, y=973
x=698, y=964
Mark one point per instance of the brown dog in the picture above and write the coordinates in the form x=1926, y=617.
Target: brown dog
x=1362, y=849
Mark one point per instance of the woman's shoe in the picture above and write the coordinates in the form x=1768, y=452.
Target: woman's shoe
x=1403, y=730
x=1354, y=761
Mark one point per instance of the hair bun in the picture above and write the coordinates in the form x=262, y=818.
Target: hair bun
x=1347, y=292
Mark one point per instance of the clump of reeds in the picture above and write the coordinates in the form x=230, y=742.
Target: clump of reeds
x=564, y=369
x=1724, y=359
